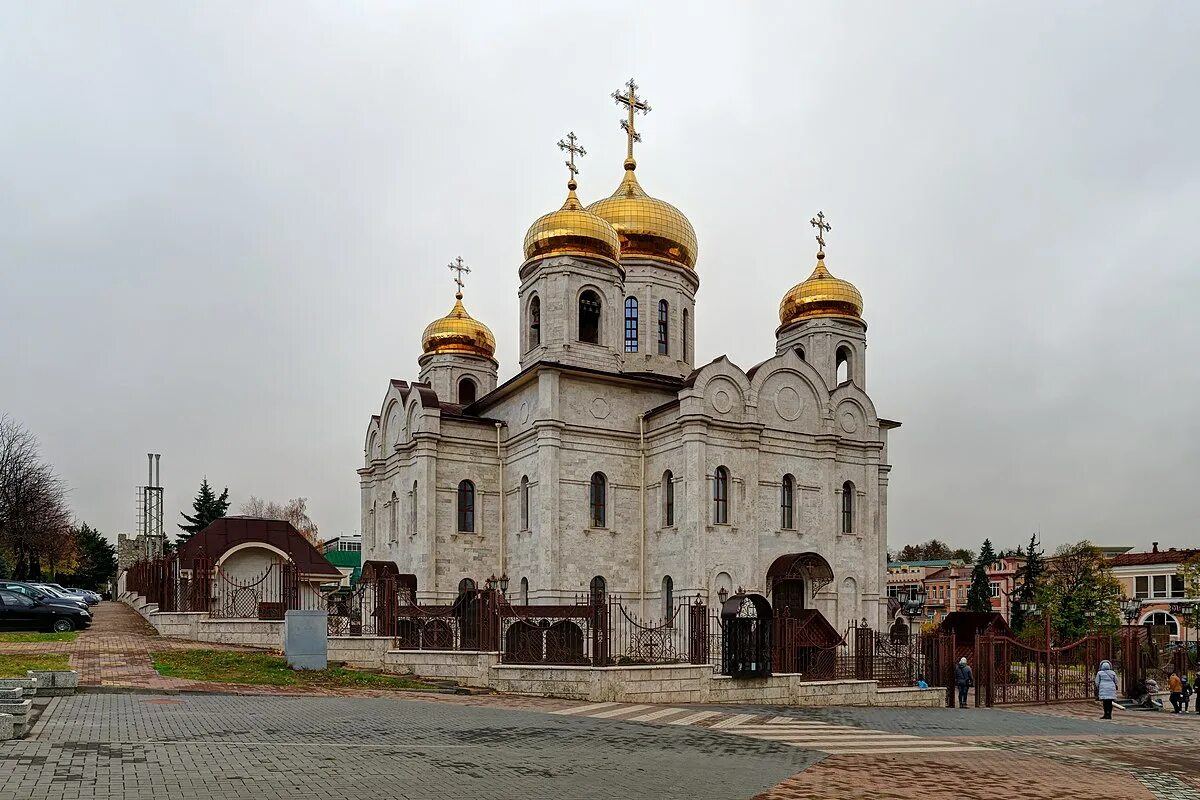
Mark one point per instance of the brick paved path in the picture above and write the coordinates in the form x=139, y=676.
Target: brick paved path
x=116, y=649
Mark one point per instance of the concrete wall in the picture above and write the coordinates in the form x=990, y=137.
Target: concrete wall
x=197, y=626
x=359, y=651
x=467, y=668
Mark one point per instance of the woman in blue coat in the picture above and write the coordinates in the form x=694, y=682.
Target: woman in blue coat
x=1106, y=687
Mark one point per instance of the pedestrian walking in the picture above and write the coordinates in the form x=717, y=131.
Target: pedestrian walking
x=963, y=679
x=1187, y=693
x=1175, y=687
x=1106, y=687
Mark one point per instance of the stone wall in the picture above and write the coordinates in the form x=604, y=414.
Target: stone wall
x=199, y=627
x=467, y=668
x=359, y=651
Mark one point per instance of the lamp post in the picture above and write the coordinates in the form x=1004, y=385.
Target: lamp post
x=912, y=603
x=722, y=595
x=1130, y=608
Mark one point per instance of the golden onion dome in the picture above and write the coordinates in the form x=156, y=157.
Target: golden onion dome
x=647, y=226
x=822, y=295
x=458, y=332
x=572, y=230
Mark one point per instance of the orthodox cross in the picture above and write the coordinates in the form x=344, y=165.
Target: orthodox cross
x=459, y=267
x=573, y=149
x=635, y=104
x=822, y=227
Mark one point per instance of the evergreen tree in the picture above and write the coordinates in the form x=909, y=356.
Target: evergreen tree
x=1028, y=583
x=979, y=596
x=96, y=558
x=207, y=507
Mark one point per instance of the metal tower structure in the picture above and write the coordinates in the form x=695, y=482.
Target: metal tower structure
x=150, y=505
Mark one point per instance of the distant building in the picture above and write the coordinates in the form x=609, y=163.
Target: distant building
x=345, y=553
x=947, y=581
x=1153, y=578
x=131, y=549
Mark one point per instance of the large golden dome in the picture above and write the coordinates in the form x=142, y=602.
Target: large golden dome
x=822, y=295
x=573, y=230
x=458, y=332
x=647, y=226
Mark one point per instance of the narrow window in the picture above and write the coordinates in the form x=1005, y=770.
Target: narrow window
x=524, y=502
x=631, y=325
x=412, y=512
x=466, y=391
x=685, y=336
x=589, y=317
x=598, y=590
x=1141, y=587
x=466, y=507
x=524, y=591
x=668, y=487
x=535, y=322
x=721, y=496
x=394, y=519
x=466, y=585
x=596, y=499
x=847, y=507
x=787, y=498
x=843, y=365
x=1177, y=586
x=664, y=313
x=668, y=596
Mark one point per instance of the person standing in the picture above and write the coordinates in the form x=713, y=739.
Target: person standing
x=1175, y=687
x=1187, y=693
x=1106, y=687
x=963, y=679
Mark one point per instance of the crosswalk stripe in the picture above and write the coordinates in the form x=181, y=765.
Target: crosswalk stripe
x=692, y=719
x=816, y=726
x=733, y=722
x=618, y=712
x=653, y=715
x=856, y=751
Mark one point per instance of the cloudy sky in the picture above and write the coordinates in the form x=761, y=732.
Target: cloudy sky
x=223, y=227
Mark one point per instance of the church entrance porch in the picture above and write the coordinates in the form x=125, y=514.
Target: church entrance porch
x=793, y=580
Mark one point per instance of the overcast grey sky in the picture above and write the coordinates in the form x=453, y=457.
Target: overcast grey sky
x=223, y=227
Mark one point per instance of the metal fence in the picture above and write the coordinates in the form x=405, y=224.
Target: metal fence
x=1010, y=671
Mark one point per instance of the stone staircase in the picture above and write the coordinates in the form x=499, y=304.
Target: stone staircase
x=17, y=709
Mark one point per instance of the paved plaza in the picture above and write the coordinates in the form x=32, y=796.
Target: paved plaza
x=483, y=748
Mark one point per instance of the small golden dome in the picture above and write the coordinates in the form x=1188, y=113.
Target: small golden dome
x=647, y=226
x=573, y=230
x=822, y=295
x=458, y=332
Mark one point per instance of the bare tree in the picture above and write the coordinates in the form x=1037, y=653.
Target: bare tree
x=294, y=511
x=35, y=522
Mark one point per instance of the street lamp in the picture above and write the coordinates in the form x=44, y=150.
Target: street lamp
x=722, y=595
x=1130, y=608
x=504, y=583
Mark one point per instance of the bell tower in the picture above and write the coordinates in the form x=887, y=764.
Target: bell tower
x=458, y=359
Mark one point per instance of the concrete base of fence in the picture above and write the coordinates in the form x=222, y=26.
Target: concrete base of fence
x=54, y=683
x=305, y=639
x=200, y=627
x=468, y=667
x=360, y=651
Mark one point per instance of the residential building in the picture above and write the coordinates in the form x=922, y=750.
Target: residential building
x=1153, y=577
x=345, y=553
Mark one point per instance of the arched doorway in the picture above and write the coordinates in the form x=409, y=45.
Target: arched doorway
x=794, y=579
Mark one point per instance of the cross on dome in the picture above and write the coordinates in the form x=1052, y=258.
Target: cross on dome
x=635, y=105
x=573, y=149
x=459, y=267
x=822, y=227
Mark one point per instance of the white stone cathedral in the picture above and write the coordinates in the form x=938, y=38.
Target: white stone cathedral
x=611, y=462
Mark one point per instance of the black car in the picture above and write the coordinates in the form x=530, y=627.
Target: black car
x=19, y=612
x=36, y=593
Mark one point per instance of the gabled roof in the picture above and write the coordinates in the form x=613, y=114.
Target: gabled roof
x=1171, y=556
x=226, y=533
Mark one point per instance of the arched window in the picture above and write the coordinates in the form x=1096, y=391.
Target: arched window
x=535, y=322
x=412, y=512
x=787, y=500
x=668, y=490
x=596, y=492
x=847, y=507
x=589, y=317
x=598, y=590
x=1162, y=618
x=524, y=502
x=721, y=496
x=466, y=391
x=668, y=597
x=466, y=585
x=800, y=352
x=843, y=364
x=664, y=314
x=685, y=335
x=524, y=591
x=394, y=519
x=466, y=507
x=631, y=325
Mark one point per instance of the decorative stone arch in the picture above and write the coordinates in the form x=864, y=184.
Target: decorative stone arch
x=795, y=579
x=602, y=332
x=393, y=421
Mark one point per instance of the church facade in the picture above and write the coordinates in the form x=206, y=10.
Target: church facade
x=612, y=462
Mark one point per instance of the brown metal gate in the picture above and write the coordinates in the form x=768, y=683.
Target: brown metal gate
x=1009, y=671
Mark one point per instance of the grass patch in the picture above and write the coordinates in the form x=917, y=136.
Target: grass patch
x=223, y=666
x=38, y=637
x=15, y=665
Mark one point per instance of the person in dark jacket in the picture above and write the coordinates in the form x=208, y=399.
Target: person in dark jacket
x=963, y=679
x=1187, y=693
x=1106, y=687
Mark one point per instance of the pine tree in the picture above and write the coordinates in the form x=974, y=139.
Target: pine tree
x=207, y=507
x=1028, y=584
x=96, y=558
x=979, y=596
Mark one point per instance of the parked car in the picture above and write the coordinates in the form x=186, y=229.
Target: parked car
x=35, y=592
x=87, y=594
x=20, y=612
